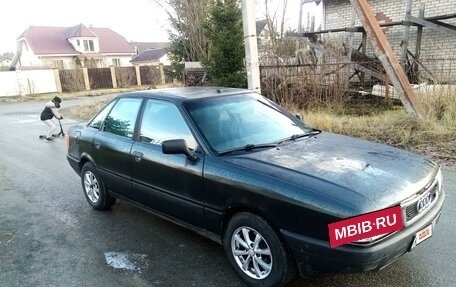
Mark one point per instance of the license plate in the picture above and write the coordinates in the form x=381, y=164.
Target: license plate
x=422, y=235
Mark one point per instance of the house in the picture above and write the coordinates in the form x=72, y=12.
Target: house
x=71, y=47
x=151, y=57
x=262, y=34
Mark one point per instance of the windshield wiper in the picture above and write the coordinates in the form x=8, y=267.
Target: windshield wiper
x=308, y=134
x=248, y=147
x=313, y=132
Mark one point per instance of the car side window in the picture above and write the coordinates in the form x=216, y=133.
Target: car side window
x=97, y=121
x=122, y=118
x=163, y=121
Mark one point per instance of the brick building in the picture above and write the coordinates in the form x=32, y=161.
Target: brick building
x=438, y=48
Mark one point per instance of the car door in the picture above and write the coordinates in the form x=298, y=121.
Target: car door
x=170, y=184
x=112, y=145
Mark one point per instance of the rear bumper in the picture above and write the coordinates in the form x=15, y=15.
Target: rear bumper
x=314, y=256
x=74, y=163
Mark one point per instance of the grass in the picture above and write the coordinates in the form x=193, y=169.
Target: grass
x=85, y=112
x=439, y=104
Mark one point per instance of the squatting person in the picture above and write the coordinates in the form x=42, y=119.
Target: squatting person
x=50, y=111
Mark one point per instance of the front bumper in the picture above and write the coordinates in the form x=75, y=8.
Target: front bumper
x=314, y=256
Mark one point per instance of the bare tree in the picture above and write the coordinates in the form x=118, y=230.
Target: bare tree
x=282, y=23
x=187, y=19
x=276, y=31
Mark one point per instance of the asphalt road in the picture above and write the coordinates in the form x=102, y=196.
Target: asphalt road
x=49, y=236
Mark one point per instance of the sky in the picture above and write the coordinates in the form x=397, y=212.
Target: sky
x=136, y=20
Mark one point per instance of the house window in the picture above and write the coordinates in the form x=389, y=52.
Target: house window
x=88, y=46
x=79, y=43
x=116, y=62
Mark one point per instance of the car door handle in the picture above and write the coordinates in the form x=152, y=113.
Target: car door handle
x=137, y=156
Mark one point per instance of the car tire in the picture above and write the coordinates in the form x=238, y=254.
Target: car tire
x=256, y=253
x=94, y=188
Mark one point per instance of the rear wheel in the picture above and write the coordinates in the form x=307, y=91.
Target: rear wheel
x=256, y=253
x=94, y=189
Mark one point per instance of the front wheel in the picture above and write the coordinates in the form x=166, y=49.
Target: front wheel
x=94, y=189
x=256, y=253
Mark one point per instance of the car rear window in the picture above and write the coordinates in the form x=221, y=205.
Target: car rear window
x=122, y=118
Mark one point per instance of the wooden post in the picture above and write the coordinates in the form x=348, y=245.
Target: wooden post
x=419, y=36
x=162, y=74
x=349, y=52
x=405, y=40
x=364, y=51
x=113, y=77
x=86, y=78
x=58, y=83
x=419, y=33
x=138, y=75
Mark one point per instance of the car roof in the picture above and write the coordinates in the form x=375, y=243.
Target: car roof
x=187, y=93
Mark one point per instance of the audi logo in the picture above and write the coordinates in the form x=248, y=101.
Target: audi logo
x=424, y=202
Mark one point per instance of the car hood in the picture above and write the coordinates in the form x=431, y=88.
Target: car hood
x=368, y=175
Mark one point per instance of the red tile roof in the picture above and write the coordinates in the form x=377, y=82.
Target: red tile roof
x=54, y=40
x=48, y=40
x=80, y=31
x=111, y=42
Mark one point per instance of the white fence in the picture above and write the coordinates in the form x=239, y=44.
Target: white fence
x=20, y=83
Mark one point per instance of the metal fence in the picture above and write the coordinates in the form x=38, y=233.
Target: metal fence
x=313, y=85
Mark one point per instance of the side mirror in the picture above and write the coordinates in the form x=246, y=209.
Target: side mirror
x=178, y=146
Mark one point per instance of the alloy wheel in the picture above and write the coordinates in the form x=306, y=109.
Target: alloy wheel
x=91, y=187
x=251, y=252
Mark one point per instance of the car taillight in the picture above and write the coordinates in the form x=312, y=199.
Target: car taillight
x=67, y=142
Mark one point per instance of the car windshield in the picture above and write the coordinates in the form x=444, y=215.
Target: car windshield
x=243, y=121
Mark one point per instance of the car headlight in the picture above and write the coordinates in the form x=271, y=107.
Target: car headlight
x=439, y=178
x=371, y=239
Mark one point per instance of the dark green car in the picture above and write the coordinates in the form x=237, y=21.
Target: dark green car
x=235, y=167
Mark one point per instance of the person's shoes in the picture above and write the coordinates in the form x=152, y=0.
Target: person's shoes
x=49, y=139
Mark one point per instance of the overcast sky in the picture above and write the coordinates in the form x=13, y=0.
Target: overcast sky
x=136, y=20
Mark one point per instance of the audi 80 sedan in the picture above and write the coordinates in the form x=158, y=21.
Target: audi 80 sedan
x=239, y=169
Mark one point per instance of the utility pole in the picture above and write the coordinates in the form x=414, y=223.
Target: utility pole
x=298, y=39
x=251, y=48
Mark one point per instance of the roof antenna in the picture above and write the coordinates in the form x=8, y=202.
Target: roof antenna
x=219, y=91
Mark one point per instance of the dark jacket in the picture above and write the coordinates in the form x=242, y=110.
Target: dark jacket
x=50, y=111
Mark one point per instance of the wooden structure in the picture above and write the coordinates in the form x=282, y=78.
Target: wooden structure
x=398, y=72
